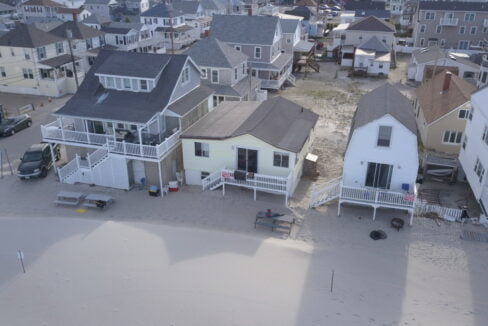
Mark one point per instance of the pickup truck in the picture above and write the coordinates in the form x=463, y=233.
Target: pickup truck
x=37, y=161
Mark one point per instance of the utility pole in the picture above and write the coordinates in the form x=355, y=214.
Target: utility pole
x=171, y=34
x=69, y=34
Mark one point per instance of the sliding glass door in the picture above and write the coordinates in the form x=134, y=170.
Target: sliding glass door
x=378, y=175
x=247, y=160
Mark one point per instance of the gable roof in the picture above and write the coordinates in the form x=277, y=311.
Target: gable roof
x=453, y=5
x=436, y=103
x=162, y=10
x=45, y=3
x=186, y=6
x=372, y=24
x=383, y=14
x=374, y=44
x=381, y=101
x=289, y=26
x=308, y=3
x=92, y=100
x=96, y=19
x=241, y=29
x=433, y=53
x=121, y=27
x=300, y=11
x=79, y=31
x=212, y=5
x=27, y=36
x=276, y=121
x=352, y=5
x=66, y=10
x=210, y=52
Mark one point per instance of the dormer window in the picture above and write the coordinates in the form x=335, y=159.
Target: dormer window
x=143, y=84
x=257, y=52
x=127, y=83
x=185, y=76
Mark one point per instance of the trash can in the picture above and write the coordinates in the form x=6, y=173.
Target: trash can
x=173, y=186
x=154, y=191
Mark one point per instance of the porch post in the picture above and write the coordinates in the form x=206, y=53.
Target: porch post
x=160, y=179
x=339, y=208
x=159, y=128
x=61, y=126
x=411, y=217
x=223, y=188
x=86, y=130
x=374, y=212
x=140, y=141
x=53, y=158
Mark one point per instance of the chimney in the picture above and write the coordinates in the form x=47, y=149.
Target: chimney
x=447, y=81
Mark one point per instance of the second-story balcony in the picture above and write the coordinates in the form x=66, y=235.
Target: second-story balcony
x=131, y=143
x=446, y=21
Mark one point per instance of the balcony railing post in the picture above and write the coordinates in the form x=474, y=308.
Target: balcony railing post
x=123, y=145
x=61, y=126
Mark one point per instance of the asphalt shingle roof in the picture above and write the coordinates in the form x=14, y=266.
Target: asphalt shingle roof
x=374, y=44
x=162, y=10
x=435, y=103
x=433, y=53
x=46, y=3
x=210, y=52
x=372, y=24
x=244, y=29
x=79, y=31
x=27, y=36
x=276, y=121
x=289, y=26
x=381, y=101
x=120, y=27
x=186, y=6
x=96, y=19
x=453, y=6
x=128, y=106
x=300, y=11
x=143, y=65
x=353, y=5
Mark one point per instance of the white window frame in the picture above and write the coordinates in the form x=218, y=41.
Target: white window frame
x=212, y=76
x=378, y=136
x=3, y=73
x=428, y=13
x=438, y=29
x=469, y=14
x=422, y=42
x=204, y=149
x=464, y=112
x=455, y=135
x=185, y=75
x=479, y=169
x=260, y=52
x=281, y=155
x=464, y=48
x=422, y=28
x=463, y=28
x=473, y=28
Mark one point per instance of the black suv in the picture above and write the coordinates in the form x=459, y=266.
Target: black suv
x=37, y=161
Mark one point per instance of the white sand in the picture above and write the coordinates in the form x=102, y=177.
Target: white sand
x=88, y=272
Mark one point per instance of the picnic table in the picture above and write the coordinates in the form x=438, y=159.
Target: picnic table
x=274, y=221
x=69, y=198
x=98, y=201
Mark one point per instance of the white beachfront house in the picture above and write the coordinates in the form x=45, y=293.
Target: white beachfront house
x=381, y=160
x=265, y=141
x=122, y=126
x=474, y=148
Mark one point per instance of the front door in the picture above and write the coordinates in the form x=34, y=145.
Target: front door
x=247, y=160
x=378, y=175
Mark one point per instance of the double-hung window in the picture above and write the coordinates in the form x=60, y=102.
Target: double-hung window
x=202, y=149
x=384, y=136
x=2, y=72
x=281, y=159
x=59, y=47
x=143, y=84
x=215, y=76
x=479, y=169
x=452, y=137
x=41, y=53
x=463, y=114
x=257, y=52
x=28, y=74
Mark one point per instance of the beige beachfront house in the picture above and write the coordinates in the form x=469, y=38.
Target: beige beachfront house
x=442, y=108
x=265, y=141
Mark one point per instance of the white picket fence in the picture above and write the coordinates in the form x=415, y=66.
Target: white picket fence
x=423, y=207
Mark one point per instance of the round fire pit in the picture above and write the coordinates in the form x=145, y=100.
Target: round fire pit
x=378, y=235
x=397, y=223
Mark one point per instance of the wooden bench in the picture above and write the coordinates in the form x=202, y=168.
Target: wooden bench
x=98, y=201
x=69, y=198
x=284, y=222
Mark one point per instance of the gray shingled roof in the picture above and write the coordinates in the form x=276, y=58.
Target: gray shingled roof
x=136, y=107
x=186, y=6
x=429, y=54
x=289, y=26
x=133, y=66
x=162, y=10
x=374, y=44
x=240, y=29
x=300, y=11
x=353, y=5
x=26, y=36
x=192, y=99
x=46, y=3
x=121, y=27
x=453, y=6
x=372, y=24
x=210, y=52
x=276, y=121
x=381, y=101
x=96, y=19
x=102, y=2
x=80, y=31
x=212, y=5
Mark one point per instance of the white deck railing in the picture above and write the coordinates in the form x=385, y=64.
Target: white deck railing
x=212, y=181
x=68, y=170
x=53, y=132
x=274, y=83
x=449, y=21
x=423, y=207
x=327, y=192
x=377, y=196
x=257, y=181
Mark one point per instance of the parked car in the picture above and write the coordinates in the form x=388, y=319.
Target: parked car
x=37, y=161
x=334, y=14
x=10, y=126
x=337, y=8
x=324, y=7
